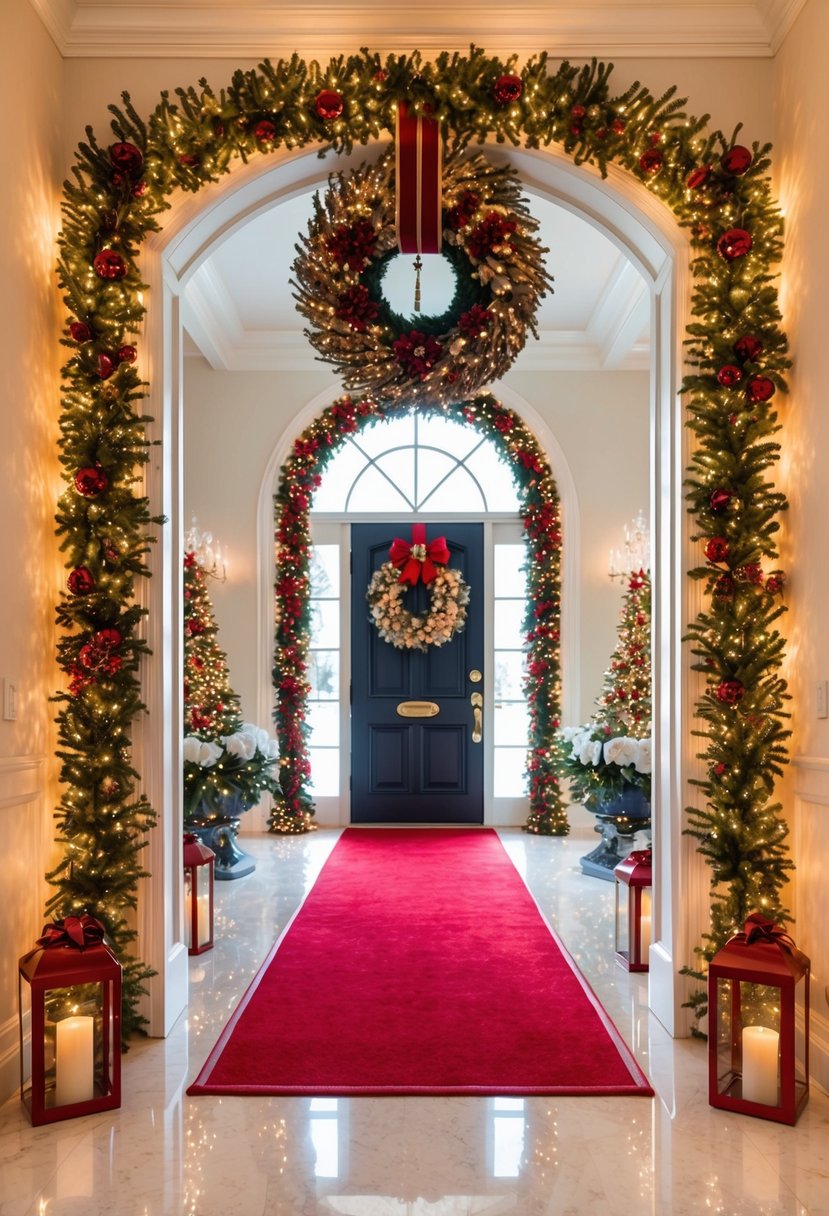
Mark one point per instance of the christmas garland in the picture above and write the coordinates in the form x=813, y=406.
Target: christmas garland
x=540, y=512
x=718, y=190
x=448, y=598
x=500, y=279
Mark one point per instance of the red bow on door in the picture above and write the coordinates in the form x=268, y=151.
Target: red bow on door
x=418, y=560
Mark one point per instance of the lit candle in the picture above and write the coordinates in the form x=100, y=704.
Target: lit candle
x=645, y=924
x=75, y=1061
x=760, y=1052
x=204, y=918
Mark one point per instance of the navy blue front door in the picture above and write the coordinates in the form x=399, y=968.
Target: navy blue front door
x=415, y=769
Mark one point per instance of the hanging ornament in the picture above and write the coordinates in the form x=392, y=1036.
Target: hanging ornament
x=719, y=500
x=106, y=365
x=748, y=348
x=716, y=550
x=736, y=160
x=91, y=481
x=80, y=581
x=265, y=131
x=507, y=89
x=127, y=354
x=418, y=266
x=729, y=375
x=80, y=332
x=698, y=177
x=328, y=104
x=733, y=244
x=127, y=158
x=650, y=162
x=109, y=265
x=760, y=388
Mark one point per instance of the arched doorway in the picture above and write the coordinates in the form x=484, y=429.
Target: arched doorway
x=640, y=225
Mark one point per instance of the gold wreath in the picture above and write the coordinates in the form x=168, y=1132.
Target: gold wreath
x=449, y=596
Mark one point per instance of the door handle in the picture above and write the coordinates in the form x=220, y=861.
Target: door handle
x=477, y=702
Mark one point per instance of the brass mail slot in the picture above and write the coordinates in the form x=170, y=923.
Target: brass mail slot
x=418, y=709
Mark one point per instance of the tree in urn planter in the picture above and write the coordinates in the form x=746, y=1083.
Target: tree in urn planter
x=228, y=763
x=608, y=761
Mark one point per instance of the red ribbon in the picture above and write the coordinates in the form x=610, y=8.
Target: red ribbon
x=76, y=931
x=641, y=857
x=418, y=560
x=418, y=173
x=759, y=929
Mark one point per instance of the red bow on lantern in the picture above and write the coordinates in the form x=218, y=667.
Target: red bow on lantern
x=77, y=931
x=418, y=560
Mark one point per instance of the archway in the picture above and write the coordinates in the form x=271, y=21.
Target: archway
x=649, y=139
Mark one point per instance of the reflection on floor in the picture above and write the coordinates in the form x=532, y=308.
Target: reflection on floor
x=165, y=1153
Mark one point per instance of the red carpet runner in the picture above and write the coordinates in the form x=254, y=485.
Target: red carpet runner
x=419, y=964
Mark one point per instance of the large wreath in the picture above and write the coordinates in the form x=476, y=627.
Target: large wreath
x=499, y=272
x=449, y=596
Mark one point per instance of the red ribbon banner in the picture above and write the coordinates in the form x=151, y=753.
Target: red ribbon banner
x=77, y=931
x=418, y=560
x=418, y=172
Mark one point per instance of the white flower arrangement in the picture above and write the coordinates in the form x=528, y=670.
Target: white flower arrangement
x=239, y=764
x=395, y=624
x=594, y=761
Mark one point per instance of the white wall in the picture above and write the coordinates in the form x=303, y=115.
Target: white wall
x=802, y=183
x=30, y=158
x=234, y=420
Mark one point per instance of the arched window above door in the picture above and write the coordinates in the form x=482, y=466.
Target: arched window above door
x=417, y=463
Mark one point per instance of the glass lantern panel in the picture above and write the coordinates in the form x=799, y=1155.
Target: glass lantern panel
x=188, y=907
x=73, y=1043
x=203, y=929
x=801, y=1046
x=623, y=898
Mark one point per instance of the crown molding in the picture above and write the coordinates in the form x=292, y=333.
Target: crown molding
x=605, y=28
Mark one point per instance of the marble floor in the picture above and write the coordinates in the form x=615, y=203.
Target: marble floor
x=164, y=1153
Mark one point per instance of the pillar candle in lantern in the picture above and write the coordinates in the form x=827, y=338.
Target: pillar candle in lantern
x=760, y=1064
x=75, y=1061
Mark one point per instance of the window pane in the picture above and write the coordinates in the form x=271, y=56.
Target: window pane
x=459, y=491
x=509, y=772
x=509, y=616
x=399, y=465
x=441, y=432
x=382, y=435
x=324, y=674
x=325, y=771
x=324, y=721
x=325, y=571
x=495, y=475
x=508, y=562
x=338, y=479
x=373, y=492
x=325, y=623
x=512, y=723
x=509, y=669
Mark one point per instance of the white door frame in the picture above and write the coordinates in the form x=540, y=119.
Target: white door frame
x=640, y=225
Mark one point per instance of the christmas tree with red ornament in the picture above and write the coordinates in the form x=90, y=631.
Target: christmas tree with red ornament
x=224, y=758
x=612, y=752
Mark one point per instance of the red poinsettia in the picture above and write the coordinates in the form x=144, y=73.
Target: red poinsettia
x=417, y=353
x=459, y=216
x=353, y=245
x=493, y=231
x=357, y=308
x=475, y=321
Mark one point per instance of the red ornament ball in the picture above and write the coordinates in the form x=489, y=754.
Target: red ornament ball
x=80, y=332
x=106, y=365
x=650, y=162
x=265, y=131
x=91, y=481
x=733, y=244
x=80, y=581
x=507, y=89
x=719, y=500
x=729, y=375
x=724, y=587
x=717, y=549
x=107, y=639
x=109, y=265
x=774, y=584
x=748, y=348
x=328, y=105
x=697, y=178
x=577, y=111
x=126, y=158
x=618, y=125
x=730, y=692
x=736, y=160
x=127, y=354
x=760, y=388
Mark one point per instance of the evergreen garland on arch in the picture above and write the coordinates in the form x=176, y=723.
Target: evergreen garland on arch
x=717, y=189
x=540, y=513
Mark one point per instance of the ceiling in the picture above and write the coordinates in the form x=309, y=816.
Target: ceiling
x=239, y=312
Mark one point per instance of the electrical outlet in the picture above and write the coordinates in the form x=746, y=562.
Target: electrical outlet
x=822, y=698
x=9, y=700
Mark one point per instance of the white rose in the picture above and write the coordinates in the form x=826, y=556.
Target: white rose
x=643, y=760
x=190, y=749
x=241, y=744
x=621, y=750
x=209, y=753
x=591, y=751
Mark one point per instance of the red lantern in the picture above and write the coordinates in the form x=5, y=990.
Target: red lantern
x=634, y=880
x=758, y=1008
x=198, y=894
x=70, y=1023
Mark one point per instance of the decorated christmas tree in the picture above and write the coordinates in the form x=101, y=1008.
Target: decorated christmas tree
x=226, y=760
x=612, y=753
